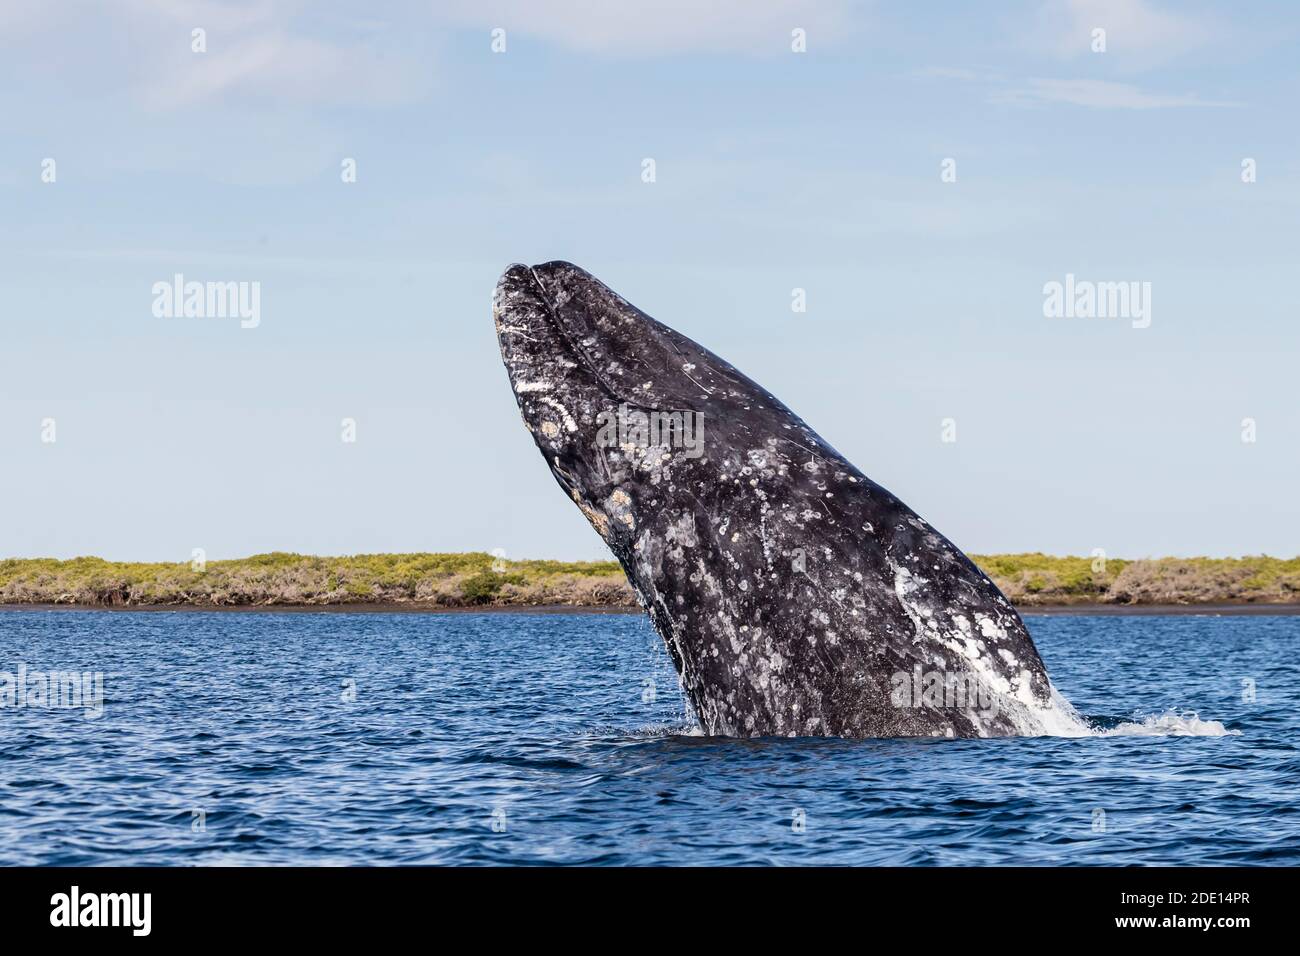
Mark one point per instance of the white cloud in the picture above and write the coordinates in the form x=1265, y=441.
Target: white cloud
x=1138, y=33
x=638, y=28
x=951, y=73
x=280, y=66
x=257, y=51
x=1098, y=94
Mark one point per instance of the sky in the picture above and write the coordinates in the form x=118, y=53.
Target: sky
x=923, y=172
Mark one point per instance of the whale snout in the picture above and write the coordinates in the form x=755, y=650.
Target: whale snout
x=517, y=294
x=529, y=320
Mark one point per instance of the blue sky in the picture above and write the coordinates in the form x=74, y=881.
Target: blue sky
x=775, y=170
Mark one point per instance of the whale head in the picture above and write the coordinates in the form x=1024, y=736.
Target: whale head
x=610, y=394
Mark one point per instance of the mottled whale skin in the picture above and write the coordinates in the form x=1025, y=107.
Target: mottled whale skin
x=796, y=596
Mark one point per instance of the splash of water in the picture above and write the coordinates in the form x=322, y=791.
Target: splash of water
x=1169, y=724
x=1057, y=719
x=1060, y=719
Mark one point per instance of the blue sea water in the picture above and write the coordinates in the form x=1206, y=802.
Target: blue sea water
x=339, y=738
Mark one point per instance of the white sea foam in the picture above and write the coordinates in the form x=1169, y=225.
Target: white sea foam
x=1170, y=724
x=679, y=729
x=1060, y=719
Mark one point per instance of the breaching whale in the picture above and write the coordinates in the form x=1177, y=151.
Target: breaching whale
x=796, y=596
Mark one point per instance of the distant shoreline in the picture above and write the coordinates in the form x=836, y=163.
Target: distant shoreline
x=1040, y=610
x=476, y=581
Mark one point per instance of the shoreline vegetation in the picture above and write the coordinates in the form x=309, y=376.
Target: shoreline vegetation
x=478, y=580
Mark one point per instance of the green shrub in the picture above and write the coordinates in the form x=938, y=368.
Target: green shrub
x=481, y=588
x=280, y=577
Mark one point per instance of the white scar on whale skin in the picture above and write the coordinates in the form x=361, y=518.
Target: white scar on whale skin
x=517, y=330
x=569, y=424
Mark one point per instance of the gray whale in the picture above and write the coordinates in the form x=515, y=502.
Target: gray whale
x=796, y=596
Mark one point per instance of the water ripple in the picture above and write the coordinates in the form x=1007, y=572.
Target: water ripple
x=494, y=739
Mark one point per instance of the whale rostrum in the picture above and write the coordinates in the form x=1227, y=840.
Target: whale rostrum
x=796, y=596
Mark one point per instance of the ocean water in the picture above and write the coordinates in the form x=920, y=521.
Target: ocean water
x=338, y=738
